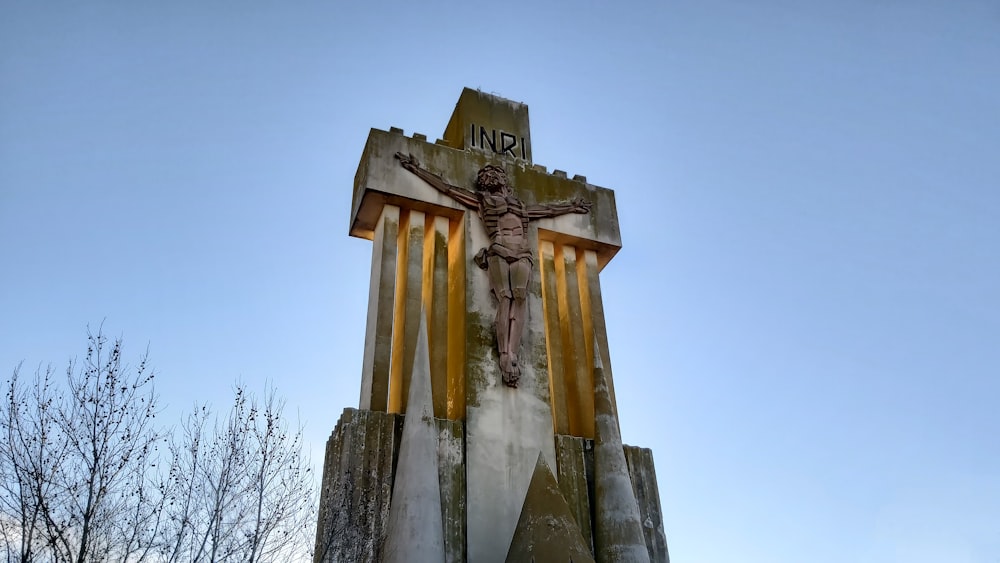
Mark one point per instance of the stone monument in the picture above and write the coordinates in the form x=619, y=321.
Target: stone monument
x=487, y=428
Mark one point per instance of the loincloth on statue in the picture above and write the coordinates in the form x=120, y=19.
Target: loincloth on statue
x=496, y=249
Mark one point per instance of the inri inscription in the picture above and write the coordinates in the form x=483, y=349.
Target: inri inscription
x=507, y=144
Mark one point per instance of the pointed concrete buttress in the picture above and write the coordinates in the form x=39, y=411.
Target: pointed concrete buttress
x=415, y=533
x=617, y=525
x=546, y=530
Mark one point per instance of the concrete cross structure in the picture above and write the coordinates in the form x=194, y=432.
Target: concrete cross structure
x=504, y=258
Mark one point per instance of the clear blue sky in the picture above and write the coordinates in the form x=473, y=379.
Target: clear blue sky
x=805, y=316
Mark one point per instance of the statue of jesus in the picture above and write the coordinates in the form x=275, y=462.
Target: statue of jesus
x=508, y=260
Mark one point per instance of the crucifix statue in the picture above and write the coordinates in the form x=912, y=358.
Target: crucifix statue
x=508, y=260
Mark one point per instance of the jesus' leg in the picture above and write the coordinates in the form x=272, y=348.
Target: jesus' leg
x=520, y=275
x=499, y=276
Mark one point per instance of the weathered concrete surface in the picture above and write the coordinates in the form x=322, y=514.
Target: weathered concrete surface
x=357, y=486
x=381, y=296
x=358, y=474
x=505, y=430
x=575, y=458
x=415, y=531
x=409, y=305
x=647, y=494
x=547, y=530
x=575, y=471
x=451, y=464
x=480, y=118
x=416, y=264
x=575, y=323
x=618, y=535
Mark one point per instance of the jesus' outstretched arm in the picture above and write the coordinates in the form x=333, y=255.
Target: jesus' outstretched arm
x=463, y=196
x=556, y=209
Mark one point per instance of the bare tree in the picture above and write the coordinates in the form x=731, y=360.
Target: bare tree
x=77, y=459
x=80, y=480
x=240, y=488
x=30, y=452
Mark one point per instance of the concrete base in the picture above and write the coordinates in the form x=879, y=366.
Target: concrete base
x=360, y=466
x=358, y=475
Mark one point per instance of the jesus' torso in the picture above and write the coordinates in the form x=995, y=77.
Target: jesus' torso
x=505, y=219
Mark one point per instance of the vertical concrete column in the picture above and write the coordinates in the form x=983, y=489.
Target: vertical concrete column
x=567, y=373
x=456, y=318
x=553, y=338
x=586, y=318
x=381, y=295
x=578, y=371
x=435, y=289
x=590, y=292
x=409, y=297
x=618, y=527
